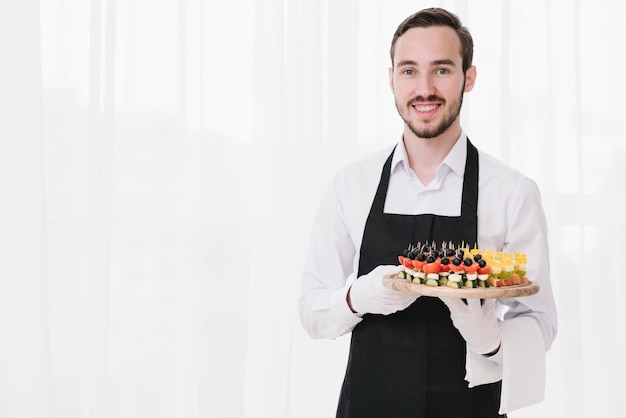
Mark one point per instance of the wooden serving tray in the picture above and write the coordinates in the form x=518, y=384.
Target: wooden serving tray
x=403, y=285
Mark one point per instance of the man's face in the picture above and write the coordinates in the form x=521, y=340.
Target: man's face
x=427, y=80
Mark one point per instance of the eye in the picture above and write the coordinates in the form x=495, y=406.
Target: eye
x=408, y=71
x=442, y=71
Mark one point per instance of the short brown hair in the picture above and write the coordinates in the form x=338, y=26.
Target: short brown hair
x=437, y=17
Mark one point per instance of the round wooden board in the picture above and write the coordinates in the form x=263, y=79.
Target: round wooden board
x=394, y=282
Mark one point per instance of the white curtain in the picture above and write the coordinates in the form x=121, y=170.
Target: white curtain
x=161, y=161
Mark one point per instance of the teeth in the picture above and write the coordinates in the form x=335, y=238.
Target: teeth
x=426, y=108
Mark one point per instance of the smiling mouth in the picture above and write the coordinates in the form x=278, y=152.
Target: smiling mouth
x=425, y=108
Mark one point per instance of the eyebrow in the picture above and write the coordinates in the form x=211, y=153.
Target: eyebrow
x=436, y=62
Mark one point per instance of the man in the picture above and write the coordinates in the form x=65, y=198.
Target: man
x=422, y=356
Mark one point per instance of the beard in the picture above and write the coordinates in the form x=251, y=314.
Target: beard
x=432, y=131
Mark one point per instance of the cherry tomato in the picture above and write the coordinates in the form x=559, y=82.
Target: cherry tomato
x=471, y=269
x=456, y=269
x=418, y=265
x=484, y=270
x=431, y=268
x=407, y=262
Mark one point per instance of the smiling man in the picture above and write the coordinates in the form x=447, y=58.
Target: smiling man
x=431, y=72
x=424, y=356
x=428, y=80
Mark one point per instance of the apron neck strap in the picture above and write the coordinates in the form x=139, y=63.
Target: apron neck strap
x=469, y=200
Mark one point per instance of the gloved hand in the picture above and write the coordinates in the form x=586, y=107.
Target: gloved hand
x=477, y=323
x=368, y=294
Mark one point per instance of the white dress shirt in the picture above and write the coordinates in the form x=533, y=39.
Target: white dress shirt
x=510, y=218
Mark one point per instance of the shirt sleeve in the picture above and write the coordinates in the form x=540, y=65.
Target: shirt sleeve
x=323, y=309
x=528, y=232
x=528, y=324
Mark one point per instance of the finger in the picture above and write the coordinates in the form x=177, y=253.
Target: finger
x=489, y=303
x=474, y=305
x=453, y=303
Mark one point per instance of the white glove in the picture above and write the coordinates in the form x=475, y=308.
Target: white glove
x=477, y=323
x=368, y=294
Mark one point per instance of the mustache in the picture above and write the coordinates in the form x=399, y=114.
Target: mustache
x=422, y=99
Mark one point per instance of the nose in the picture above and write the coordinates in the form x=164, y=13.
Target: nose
x=424, y=86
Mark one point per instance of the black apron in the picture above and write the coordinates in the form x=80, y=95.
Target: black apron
x=411, y=364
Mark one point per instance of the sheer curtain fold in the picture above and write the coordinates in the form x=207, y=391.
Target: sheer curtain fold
x=99, y=208
x=288, y=141
x=25, y=375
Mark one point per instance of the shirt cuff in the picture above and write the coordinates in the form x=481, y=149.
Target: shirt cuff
x=345, y=318
x=496, y=358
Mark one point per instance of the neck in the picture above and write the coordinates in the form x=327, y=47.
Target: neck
x=426, y=154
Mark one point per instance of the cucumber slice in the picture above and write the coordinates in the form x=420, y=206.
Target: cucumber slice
x=432, y=282
x=470, y=283
x=455, y=285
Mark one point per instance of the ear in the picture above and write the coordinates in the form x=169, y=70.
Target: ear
x=391, y=79
x=470, y=78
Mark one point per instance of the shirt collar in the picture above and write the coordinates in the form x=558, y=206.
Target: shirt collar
x=455, y=160
x=457, y=155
